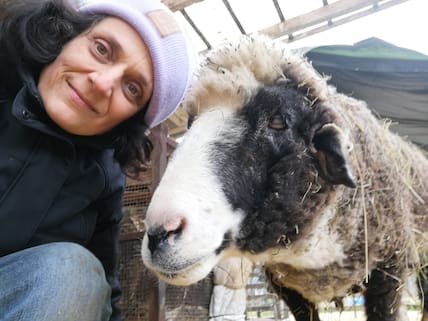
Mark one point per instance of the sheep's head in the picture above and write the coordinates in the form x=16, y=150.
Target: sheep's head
x=248, y=180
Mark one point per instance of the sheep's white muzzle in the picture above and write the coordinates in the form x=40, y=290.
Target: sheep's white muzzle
x=188, y=220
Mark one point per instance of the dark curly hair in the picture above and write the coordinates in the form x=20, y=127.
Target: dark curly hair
x=33, y=33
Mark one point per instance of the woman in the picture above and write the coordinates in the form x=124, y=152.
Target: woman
x=78, y=91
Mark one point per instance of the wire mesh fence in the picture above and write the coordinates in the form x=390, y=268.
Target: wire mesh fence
x=139, y=285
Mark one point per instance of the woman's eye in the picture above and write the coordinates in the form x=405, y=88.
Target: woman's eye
x=101, y=49
x=134, y=90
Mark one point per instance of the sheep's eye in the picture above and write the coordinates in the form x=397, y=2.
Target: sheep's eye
x=277, y=122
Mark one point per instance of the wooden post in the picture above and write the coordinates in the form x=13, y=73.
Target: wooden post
x=159, y=160
x=159, y=138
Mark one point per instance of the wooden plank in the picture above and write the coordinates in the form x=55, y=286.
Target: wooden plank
x=159, y=155
x=172, y=143
x=145, y=178
x=159, y=160
x=178, y=130
x=177, y=5
x=134, y=236
x=341, y=21
x=322, y=14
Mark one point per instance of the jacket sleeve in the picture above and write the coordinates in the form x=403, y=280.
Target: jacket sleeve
x=105, y=241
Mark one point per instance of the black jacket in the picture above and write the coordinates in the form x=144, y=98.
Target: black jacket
x=55, y=186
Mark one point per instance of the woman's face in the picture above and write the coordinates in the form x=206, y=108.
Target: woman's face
x=100, y=78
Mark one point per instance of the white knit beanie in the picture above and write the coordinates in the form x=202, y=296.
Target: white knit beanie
x=173, y=58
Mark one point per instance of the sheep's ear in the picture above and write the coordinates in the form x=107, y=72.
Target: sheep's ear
x=331, y=159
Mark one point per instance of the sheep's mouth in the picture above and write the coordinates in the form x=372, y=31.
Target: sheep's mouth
x=169, y=265
x=172, y=266
x=164, y=275
x=192, y=273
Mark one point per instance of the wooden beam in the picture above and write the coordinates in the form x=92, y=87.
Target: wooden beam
x=341, y=21
x=172, y=143
x=317, y=16
x=178, y=130
x=159, y=155
x=134, y=236
x=177, y=5
x=159, y=161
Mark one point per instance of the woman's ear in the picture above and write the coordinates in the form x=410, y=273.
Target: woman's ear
x=328, y=150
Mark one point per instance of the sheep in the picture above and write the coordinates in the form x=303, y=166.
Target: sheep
x=282, y=169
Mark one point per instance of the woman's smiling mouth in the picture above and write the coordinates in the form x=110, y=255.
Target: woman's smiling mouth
x=79, y=100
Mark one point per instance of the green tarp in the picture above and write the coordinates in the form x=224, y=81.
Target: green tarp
x=392, y=80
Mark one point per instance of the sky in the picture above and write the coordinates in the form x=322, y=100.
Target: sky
x=404, y=25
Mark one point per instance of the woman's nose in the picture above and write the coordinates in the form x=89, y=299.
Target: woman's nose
x=106, y=79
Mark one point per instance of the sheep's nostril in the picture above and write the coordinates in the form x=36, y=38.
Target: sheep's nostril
x=155, y=239
x=161, y=235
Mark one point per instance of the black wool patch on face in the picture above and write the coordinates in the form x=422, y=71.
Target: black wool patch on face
x=266, y=171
